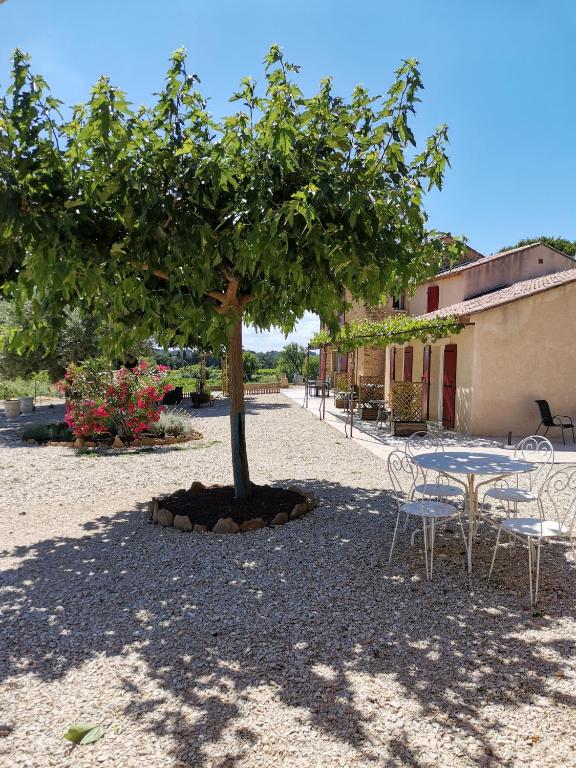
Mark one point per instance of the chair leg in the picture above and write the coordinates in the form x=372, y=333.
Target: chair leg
x=425, y=533
x=432, y=531
x=394, y=537
x=537, y=572
x=563, y=438
x=530, y=569
x=495, y=550
x=463, y=535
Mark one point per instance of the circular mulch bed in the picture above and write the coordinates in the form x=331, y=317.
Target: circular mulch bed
x=216, y=509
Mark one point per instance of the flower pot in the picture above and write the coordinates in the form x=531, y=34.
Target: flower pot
x=26, y=404
x=12, y=408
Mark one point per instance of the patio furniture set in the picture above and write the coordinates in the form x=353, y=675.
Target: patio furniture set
x=436, y=486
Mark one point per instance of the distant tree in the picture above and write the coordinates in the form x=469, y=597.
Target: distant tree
x=312, y=367
x=292, y=359
x=560, y=243
x=251, y=365
x=78, y=339
x=268, y=359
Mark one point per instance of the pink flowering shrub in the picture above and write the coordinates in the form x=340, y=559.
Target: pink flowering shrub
x=99, y=399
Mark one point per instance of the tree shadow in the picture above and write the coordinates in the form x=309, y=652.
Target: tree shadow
x=309, y=615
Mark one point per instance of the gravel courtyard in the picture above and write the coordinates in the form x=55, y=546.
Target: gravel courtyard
x=284, y=647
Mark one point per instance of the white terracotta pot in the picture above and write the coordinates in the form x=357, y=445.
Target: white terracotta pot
x=12, y=409
x=27, y=404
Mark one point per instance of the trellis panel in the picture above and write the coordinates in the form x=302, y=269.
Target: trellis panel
x=406, y=401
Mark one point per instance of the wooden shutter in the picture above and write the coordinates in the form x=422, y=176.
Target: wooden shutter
x=433, y=298
x=408, y=357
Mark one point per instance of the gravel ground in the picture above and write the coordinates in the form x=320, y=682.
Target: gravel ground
x=293, y=646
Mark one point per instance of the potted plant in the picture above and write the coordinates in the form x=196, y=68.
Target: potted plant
x=27, y=404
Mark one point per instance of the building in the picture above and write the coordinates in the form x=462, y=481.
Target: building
x=518, y=344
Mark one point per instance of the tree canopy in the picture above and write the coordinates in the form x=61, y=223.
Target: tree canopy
x=560, y=243
x=166, y=223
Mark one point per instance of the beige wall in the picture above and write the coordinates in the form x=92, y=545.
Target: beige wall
x=525, y=350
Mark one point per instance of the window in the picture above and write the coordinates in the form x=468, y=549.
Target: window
x=398, y=303
x=433, y=298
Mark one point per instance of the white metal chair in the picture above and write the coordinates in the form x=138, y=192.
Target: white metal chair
x=405, y=476
x=556, y=521
x=525, y=487
x=437, y=487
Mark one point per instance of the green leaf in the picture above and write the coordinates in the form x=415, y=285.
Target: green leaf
x=84, y=733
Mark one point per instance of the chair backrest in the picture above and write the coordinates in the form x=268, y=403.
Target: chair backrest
x=422, y=442
x=540, y=451
x=558, y=498
x=403, y=475
x=545, y=412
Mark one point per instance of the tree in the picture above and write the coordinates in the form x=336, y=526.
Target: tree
x=560, y=243
x=250, y=363
x=171, y=225
x=292, y=360
x=79, y=338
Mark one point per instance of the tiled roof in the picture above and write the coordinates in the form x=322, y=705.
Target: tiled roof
x=487, y=259
x=507, y=295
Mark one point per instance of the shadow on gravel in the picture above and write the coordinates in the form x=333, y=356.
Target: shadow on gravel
x=304, y=611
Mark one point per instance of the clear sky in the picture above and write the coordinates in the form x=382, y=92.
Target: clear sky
x=500, y=73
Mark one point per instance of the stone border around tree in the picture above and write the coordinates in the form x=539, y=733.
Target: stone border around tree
x=165, y=518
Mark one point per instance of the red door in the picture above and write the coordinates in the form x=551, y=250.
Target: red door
x=426, y=382
x=392, y=365
x=408, y=357
x=449, y=388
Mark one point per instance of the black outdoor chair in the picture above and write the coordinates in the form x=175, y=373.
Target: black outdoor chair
x=547, y=420
x=173, y=397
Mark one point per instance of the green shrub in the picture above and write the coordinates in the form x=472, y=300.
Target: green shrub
x=38, y=385
x=173, y=422
x=45, y=433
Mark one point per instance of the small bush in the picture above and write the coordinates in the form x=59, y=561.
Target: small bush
x=46, y=433
x=174, y=422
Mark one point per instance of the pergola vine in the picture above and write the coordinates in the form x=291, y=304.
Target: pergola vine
x=396, y=329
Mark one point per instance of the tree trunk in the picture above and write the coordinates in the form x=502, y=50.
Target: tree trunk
x=237, y=416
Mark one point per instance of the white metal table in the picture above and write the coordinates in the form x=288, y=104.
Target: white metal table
x=472, y=464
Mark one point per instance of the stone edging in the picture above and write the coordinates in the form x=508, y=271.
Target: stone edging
x=165, y=518
x=117, y=443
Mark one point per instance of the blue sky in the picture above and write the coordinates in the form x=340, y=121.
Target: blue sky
x=498, y=72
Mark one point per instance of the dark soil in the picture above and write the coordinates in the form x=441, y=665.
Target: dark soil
x=206, y=506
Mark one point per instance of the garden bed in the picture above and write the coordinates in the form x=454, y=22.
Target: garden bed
x=216, y=509
x=59, y=434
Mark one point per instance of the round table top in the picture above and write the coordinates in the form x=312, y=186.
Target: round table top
x=472, y=463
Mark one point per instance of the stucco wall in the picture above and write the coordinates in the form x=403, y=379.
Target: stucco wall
x=524, y=351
